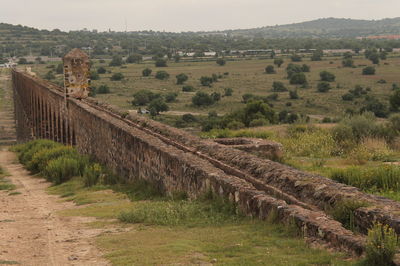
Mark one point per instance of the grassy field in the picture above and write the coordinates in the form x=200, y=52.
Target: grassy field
x=248, y=76
x=166, y=235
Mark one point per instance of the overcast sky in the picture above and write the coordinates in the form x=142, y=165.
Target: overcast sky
x=185, y=15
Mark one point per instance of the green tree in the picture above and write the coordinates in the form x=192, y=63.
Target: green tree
x=324, y=86
x=143, y=97
x=103, y=89
x=348, y=62
x=60, y=68
x=369, y=70
x=278, y=62
x=94, y=75
x=146, y=72
x=394, y=100
x=101, y=70
x=270, y=69
x=181, y=78
x=117, y=77
x=116, y=61
x=202, y=99
x=221, y=61
x=162, y=75
x=296, y=58
x=160, y=62
x=206, y=81
x=298, y=79
x=317, y=55
x=278, y=86
x=157, y=105
x=134, y=58
x=327, y=76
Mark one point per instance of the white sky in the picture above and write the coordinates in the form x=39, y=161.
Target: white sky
x=185, y=15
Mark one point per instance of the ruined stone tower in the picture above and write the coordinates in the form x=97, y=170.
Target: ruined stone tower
x=76, y=74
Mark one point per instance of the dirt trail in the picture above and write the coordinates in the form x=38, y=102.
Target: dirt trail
x=31, y=232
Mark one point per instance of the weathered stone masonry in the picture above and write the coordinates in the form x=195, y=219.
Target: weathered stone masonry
x=136, y=147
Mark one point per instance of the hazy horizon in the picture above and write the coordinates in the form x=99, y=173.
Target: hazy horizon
x=185, y=15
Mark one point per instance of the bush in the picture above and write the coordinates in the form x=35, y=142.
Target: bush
x=298, y=79
x=278, y=62
x=188, y=88
x=162, y=75
x=221, y=61
x=49, y=75
x=381, y=245
x=117, y=77
x=157, y=105
x=28, y=150
x=234, y=125
x=202, y=99
x=189, y=118
x=92, y=174
x=161, y=63
x=278, y=86
x=327, y=76
x=206, y=81
x=103, y=89
x=348, y=97
x=228, y=92
x=146, y=72
x=348, y=62
x=101, y=70
x=368, y=70
x=143, y=97
x=216, y=96
x=170, y=96
x=134, y=58
x=270, y=69
x=116, y=61
x=181, y=78
x=42, y=157
x=259, y=122
x=324, y=86
x=343, y=212
x=61, y=170
x=293, y=95
x=296, y=58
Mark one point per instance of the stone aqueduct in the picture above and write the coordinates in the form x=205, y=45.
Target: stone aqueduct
x=136, y=147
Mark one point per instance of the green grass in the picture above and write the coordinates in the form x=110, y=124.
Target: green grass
x=5, y=184
x=185, y=232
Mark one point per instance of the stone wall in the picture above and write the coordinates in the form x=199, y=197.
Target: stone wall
x=135, y=147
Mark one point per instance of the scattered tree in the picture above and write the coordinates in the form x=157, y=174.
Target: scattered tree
x=146, y=72
x=160, y=62
x=221, y=61
x=116, y=61
x=369, y=70
x=181, y=78
x=327, y=76
x=324, y=86
x=117, y=76
x=162, y=75
x=278, y=62
x=134, y=58
x=270, y=69
x=278, y=86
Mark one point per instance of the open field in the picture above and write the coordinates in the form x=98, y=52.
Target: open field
x=248, y=76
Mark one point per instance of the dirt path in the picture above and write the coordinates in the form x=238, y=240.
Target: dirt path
x=31, y=232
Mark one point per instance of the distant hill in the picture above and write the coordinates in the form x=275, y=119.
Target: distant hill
x=325, y=28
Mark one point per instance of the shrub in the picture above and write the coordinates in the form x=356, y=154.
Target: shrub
x=202, y=99
x=221, y=61
x=259, y=122
x=298, y=79
x=228, y=92
x=116, y=61
x=41, y=158
x=296, y=58
x=92, y=174
x=324, y=86
x=157, y=105
x=206, y=81
x=161, y=62
x=181, y=78
x=270, y=69
x=117, y=77
x=343, y=212
x=49, y=75
x=293, y=95
x=348, y=97
x=188, y=88
x=234, y=125
x=278, y=62
x=103, y=89
x=143, y=97
x=146, y=72
x=368, y=70
x=101, y=70
x=305, y=68
x=381, y=245
x=278, y=86
x=170, y=96
x=62, y=169
x=134, y=58
x=327, y=76
x=28, y=150
x=189, y=118
x=348, y=62
x=162, y=75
